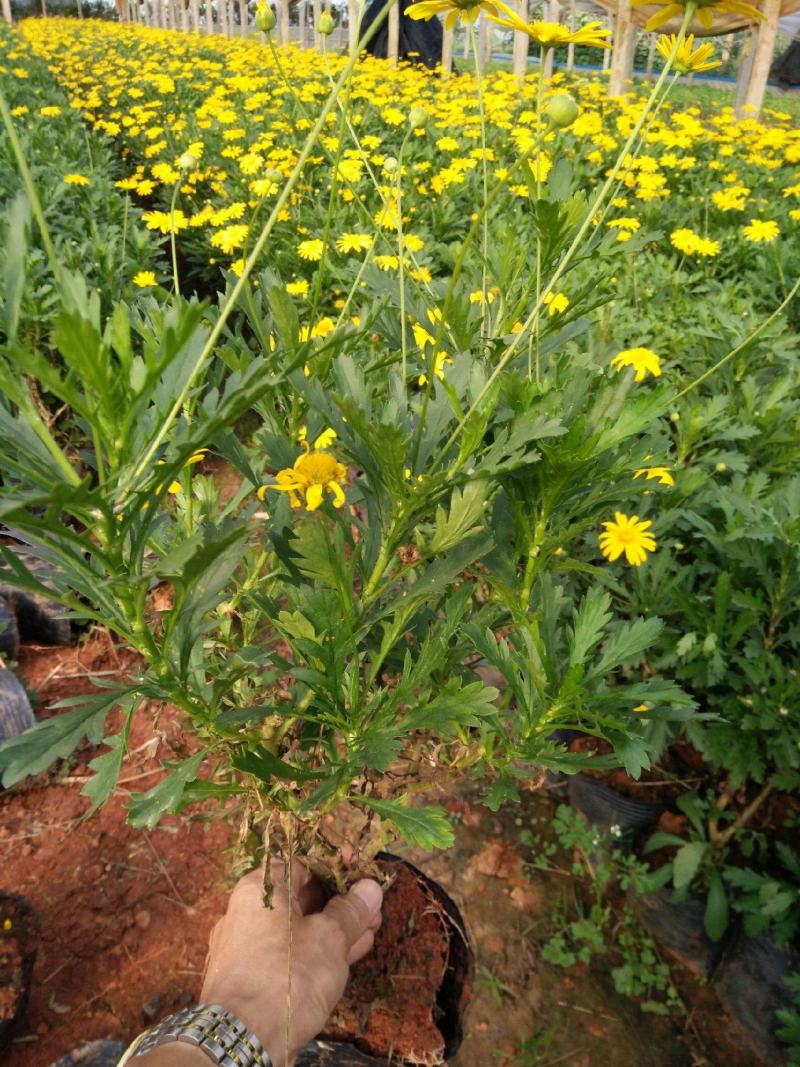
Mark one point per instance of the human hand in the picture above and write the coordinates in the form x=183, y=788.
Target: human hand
x=249, y=954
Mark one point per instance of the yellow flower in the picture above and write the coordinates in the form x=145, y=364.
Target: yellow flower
x=704, y=14
x=692, y=244
x=439, y=362
x=49, y=112
x=761, y=231
x=661, y=473
x=76, y=179
x=629, y=535
x=641, y=708
x=556, y=303
x=165, y=221
x=687, y=60
x=143, y=279
x=551, y=34
x=299, y=288
x=641, y=359
x=305, y=482
x=453, y=10
x=311, y=250
x=353, y=242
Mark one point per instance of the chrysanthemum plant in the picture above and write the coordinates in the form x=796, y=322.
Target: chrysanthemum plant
x=407, y=515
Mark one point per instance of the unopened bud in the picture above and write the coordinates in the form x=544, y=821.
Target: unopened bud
x=273, y=175
x=562, y=110
x=188, y=161
x=720, y=467
x=265, y=18
x=417, y=117
x=326, y=24
x=390, y=165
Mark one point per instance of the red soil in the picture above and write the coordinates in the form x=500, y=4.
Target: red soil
x=126, y=913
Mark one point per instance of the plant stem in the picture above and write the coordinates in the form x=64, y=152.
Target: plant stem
x=720, y=840
x=482, y=111
x=175, y=281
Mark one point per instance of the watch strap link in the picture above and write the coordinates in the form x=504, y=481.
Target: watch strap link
x=223, y=1037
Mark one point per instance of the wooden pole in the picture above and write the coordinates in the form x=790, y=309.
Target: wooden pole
x=519, y=53
x=573, y=18
x=651, y=57
x=622, y=56
x=553, y=14
x=243, y=19
x=745, y=67
x=194, y=15
x=209, y=16
x=316, y=11
x=483, y=43
x=762, y=57
x=607, y=51
x=6, y=4
x=393, y=44
x=283, y=21
x=448, y=36
x=352, y=25
x=302, y=16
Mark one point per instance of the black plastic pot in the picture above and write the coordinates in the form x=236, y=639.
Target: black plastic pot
x=38, y=619
x=24, y=934
x=331, y=1054
x=95, y=1054
x=750, y=985
x=678, y=928
x=9, y=634
x=610, y=811
x=451, y=1000
x=16, y=715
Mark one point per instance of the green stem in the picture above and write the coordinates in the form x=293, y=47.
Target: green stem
x=175, y=281
x=482, y=111
x=30, y=187
x=401, y=258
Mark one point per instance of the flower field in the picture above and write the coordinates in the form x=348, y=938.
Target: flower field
x=410, y=432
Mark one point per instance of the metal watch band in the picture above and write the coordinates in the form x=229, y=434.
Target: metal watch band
x=223, y=1037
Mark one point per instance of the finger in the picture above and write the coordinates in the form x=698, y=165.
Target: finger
x=355, y=912
x=361, y=947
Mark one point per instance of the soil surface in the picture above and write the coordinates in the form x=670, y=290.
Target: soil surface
x=126, y=916
x=391, y=998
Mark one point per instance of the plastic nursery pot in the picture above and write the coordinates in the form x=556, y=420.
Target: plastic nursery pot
x=677, y=928
x=405, y=1001
x=9, y=634
x=750, y=985
x=16, y=715
x=19, y=940
x=610, y=811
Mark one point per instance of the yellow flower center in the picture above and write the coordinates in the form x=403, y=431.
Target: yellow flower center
x=318, y=468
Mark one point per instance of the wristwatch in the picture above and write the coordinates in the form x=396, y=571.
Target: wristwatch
x=224, y=1038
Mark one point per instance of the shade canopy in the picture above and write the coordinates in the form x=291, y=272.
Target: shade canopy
x=723, y=22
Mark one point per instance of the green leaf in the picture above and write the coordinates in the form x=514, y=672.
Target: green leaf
x=265, y=766
x=591, y=619
x=466, y=509
x=687, y=863
x=427, y=827
x=145, y=809
x=107, y=766
x=628, y=642
x=715, y=920
x=56, y=738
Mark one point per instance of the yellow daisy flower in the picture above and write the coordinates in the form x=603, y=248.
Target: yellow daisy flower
x=688, y=59
x=761, y=231
x=642, y=360
x=627, y=534
x=143, y=279
x=662, y=474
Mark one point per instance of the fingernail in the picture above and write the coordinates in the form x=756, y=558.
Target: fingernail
x=370, y=892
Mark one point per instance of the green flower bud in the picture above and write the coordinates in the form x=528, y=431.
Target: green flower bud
x=326, y=24
x=265, y=18
x=188, y=161
x=390, y=165
x=273, y=175
x=721, y=467
x=562, y=110
x=417, y=117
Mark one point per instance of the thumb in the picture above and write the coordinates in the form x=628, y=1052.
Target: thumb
x=356, y=912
